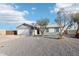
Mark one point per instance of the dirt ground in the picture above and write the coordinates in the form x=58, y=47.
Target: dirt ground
x=38, y=46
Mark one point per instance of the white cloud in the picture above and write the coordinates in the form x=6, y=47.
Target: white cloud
x=33, y=8
x=5, y=6
x=25, y=11
x=51, y=11
x=68, y=7
x=9, y=14
x=63, y=5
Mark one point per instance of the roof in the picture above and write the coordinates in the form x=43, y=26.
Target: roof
x=53, y=25
x=24, y=26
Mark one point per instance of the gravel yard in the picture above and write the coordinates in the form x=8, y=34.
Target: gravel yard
x=38, y=46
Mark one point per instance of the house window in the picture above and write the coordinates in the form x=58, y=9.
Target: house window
x=47, y=30
x=56, y=29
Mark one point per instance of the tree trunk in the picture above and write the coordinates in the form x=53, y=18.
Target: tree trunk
x=42, y=29
x=77, y=32
x=62, y=32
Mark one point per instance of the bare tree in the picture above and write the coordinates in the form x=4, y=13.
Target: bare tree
x=64, y=21
x=75, y=18
x=43, y=23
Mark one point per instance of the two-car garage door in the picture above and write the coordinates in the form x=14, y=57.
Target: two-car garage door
x=23, y=32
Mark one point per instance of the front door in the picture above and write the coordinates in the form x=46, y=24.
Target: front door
x=38, y=31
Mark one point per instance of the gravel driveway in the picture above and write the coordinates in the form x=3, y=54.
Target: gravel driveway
x=39, y=46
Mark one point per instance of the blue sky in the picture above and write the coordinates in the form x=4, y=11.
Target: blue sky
x=32, y=12
x=12, y=15
x=40, y=10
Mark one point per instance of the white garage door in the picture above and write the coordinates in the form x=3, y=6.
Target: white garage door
x=23, y=32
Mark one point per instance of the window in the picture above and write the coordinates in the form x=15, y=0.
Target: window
x=56, y=29
x=47, y=30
